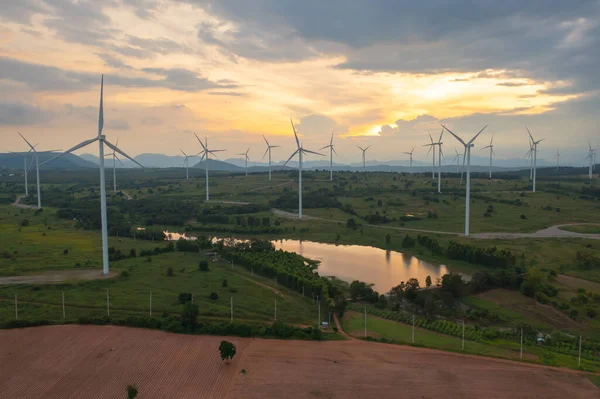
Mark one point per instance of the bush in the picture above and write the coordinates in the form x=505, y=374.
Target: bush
x=185, y=297
x=523, y=216
x=131, y=391
x=213, y=296
x=189, y=317
x=591, y=312
x=125, y=273
x=24, y=222
x=227, y=350
x=224, y=283
x=203, y=266
x=351, y=224
x=170, y=272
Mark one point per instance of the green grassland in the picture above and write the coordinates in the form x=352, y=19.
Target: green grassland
x=583, y=229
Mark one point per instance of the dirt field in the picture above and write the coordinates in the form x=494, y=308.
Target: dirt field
x=99, y=362
x=575, y=283
x=55, y=276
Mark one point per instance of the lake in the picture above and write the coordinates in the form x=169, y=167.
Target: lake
x=385, y=269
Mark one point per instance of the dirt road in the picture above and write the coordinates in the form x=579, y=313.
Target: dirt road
x=54, y=276
x=18, y=204
x=100, y=361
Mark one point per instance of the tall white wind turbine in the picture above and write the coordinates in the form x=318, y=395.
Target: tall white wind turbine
x=101, y=139
x=186, y=162
x=557, y=156
x=467, y=156
x=491, y=147
x=300, y=151
x=364, y=151
x=205, y=153
x=591, y=156
x=246, y=159
x=533, y=150
x=457, y=160
x=440, y=154
x=410, y=154
x=268, y=150
x=37, y=171
x=331, y=151
x=530, y=155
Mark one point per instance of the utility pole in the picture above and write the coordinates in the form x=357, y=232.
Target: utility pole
x=232, y=309
x=579, y=359
x=463, y=336
x=365, y=322
x=275, y=309
x=521, y=356
x=63, y=303
x=107, y=304
x=150, y=303
x=16, y=308
x=413, y=329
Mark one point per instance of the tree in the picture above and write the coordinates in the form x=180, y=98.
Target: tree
x=388, y=239
x=351, y=224
x=131, y=391
x=412, y=286
x=227, y=350
x=170, y=272
x=189, y=317
x=428, y=281
x=203, y=266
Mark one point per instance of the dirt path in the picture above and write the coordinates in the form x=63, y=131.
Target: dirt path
x=550, y=232
x=264, y=187
x=100, y=361
x=127, y=195
x=18, y=204
x=54, y=276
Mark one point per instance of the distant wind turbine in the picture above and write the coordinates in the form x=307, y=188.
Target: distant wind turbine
x=331, y=151
x=467, y=156
x=530, y=155
x=410, y=154
x=101, y=139
x=37, y=170
x=300, y=151
x=268, y=150
x=186, y=162
x=491, y=147
x=533, y=151
x=205, y=153
x=440, y=154
x=364, y=151
x=115, y=159
x=431, y=146
x=591, y=156
x=246, y=158
x=557, y=156
x=457, y=160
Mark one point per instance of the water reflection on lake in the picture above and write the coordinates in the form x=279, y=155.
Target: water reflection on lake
x=385, y=269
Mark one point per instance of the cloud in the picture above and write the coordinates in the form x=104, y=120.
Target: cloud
x=23, y=114
x=113, y=61
x=144, y=48
x=227, y=93
x=117, y=124
x=48, y=78
x=511, y=84
x=420, y=125
x=319, y=125
x=151, y=121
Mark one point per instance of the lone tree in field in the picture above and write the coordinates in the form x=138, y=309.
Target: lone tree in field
x=227, y=350
x=428, y=281
x=131, y=391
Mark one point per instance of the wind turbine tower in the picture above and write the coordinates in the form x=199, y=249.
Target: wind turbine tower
x=467, y=156
x=186, y=163
x=533, y=150
x=431, y=146
x=364, y=151
x=491, y=147
x=115, y=159
x=440, y=154
x=246, y=158
x=331, y=151
x=101, y=139
x=410, y=154
x=268, y=150
x=557, y=156
x=300, y=151
x=205, y=153
x=591, y=156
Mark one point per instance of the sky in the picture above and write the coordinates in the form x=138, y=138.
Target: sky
x=382, y=73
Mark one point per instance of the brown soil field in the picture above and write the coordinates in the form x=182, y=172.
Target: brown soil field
x=528, y=307
x=56, y=276
x=100, y=361
x=575, y=283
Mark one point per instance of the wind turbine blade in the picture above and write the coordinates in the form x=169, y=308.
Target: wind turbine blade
x=200, y=141
x=312, y=152
x=28, y=143
x=430, y=138
x=101, y=112
x=412, y=150
x=183, y=153
x=441, y=151
x=265, y=154
x=331, y=142
x=211, y=151
x=295, y=134
x=492, y=139
x=263, y=136
x=441, y=134
x=334, y=151
x=291, y=156
x=473, y=139
x=430, y=147
x=487, y=146
x=367, y=148
x=458, y=138
x=362, y=149
x=327, y=146
x=116, y=149
x=530, y=136
x=202, y=158
x=70, y=150
x=274, y=146
x=117, y=158
x=539, y=141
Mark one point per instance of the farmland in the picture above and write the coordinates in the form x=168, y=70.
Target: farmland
x=99, y=362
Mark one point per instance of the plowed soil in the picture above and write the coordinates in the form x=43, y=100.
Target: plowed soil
x=99, y=362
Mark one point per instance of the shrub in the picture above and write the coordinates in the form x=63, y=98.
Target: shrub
x=132, y=253
x=523, y=216
x=203, y=266
x=213, y=296
x=224, y=283
x=591, y=312
x=125, y=273
x=185, y=297
x=24, y=222
x=131, y=391
x=227, y=350
x=65, y=252
x=351, y=224
x=170, y=272
x=189, y=317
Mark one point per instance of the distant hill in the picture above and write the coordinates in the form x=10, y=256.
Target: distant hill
x=69, y=161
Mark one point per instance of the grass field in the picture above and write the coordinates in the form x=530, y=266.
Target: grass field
x=583, y=229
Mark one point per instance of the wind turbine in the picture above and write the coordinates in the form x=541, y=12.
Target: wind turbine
x=268, y=150
x=37, y=170
x=467, y=156
x=300, y=151
x=364, y=151
x=205, y=153
x=440, y=153
x=186, y=162
x=410, y=154
x=557, y=156
x=331, y=151
x=491, y=147
x=591, y=156
x=115, y=159
x=530, y=154
x=533, y=151
x=246, y=158
x=457, y=160
x=101, y=139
